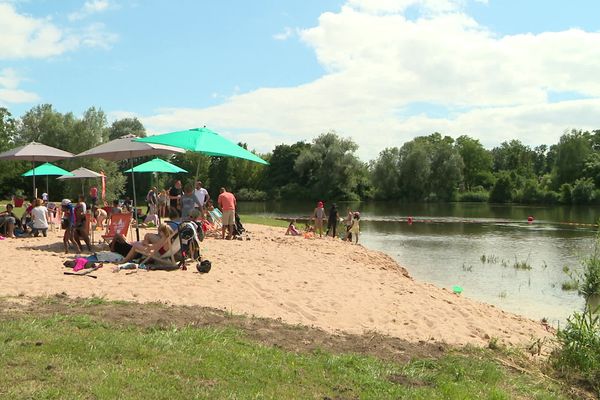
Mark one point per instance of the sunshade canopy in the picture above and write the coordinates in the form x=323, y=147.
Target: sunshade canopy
x=46, y=169
x=81, y=173
x=35, y=152
x=157, y=165
x=203, y=140
x=125, y=148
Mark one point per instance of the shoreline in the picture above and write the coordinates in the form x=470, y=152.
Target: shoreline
x=321, y=283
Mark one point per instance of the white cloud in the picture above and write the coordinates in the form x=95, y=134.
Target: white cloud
x=23, y=36
x=9, y=92
x=286, y=34
x=379, y=63
x=90, y=8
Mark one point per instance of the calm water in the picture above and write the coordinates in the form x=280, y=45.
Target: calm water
x=446, y=242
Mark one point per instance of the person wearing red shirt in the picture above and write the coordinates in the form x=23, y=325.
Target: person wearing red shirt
x=227, y=205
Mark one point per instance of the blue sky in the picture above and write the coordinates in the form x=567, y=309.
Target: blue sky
x=270, y=72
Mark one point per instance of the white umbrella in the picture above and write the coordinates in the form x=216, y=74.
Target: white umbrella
x=81, y=173
x=35, y=152
x=125, y=148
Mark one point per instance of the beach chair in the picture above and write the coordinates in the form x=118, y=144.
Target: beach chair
x=119, y=224
x=217, y=218
x=184, y=245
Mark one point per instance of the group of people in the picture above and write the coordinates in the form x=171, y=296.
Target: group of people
x=194, y=202
x=351, y=223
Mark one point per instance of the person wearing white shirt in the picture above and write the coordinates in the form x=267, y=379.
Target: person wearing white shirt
x=201, y=194
x=39, y=215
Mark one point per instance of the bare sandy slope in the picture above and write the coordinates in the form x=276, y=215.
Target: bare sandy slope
x=322, y=282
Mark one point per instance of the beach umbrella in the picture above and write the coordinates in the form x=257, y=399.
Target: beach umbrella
x=35, y=152
x=81, y=173
x=46, y=169
x=157, y=165
x=127, y=148
x=203, y=140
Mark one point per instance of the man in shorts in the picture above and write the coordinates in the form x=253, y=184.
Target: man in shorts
x=227, y=205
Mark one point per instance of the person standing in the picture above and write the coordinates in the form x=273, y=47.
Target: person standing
x=94, y=195
x=189, y=202
x=202, y=196
x=175, y=195
x=332, y=221
x=348, y=223
x=319, y=216
x=227, y=204
x=152, y=201
x=163, y=201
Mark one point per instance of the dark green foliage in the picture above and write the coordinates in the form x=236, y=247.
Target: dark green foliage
x=474, y=197
x=583, y=191
x=502, y=190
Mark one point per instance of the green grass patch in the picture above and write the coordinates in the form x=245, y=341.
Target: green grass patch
x=262, y=220
x=78, y=357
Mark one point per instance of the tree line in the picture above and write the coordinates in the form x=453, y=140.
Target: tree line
x=428, y=168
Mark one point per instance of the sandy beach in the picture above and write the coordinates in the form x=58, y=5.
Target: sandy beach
x=324, y=283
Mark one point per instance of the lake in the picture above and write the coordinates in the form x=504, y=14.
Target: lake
x=476, y=246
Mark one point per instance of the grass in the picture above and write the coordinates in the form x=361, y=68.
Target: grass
x=261, y=220
x=569, y=285
x=78, y=356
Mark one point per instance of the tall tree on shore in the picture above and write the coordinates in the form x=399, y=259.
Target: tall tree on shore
x=477, y=161
x=126, y=126
x=331, y=168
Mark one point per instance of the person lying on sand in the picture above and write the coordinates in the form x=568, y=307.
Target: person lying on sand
x=152, y=243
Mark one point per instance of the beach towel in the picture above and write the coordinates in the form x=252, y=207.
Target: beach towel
x=108, y=256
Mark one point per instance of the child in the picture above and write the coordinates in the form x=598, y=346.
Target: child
x=354, y=228
x=291, y=230
x=94, y=195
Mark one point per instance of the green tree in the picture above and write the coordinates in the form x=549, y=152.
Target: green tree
x=477, y=161
x=514, y=156
x=572, y=151
x=331, y=168
x=385, y=174
x=126, y=126
x=502, y=190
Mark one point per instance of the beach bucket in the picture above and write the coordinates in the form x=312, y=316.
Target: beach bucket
x=457, y=289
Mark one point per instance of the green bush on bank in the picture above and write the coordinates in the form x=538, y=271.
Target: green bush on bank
x=474, y=197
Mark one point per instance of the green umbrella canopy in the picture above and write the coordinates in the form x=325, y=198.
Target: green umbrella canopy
x=47, y=169
x=157, y=165
x=203, y=140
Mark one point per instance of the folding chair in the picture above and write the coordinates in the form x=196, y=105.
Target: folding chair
x=119, y=224
x=184, y=244
x=216, y=217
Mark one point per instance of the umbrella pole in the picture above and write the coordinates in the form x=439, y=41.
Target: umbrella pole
x=33, y=165
x=137, y=228
x=47, y=188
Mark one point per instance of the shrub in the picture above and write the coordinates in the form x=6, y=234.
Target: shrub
x=251, y=195
x=579, y=354
x=566, y=193
x=502, y=190
x=583, y=191
x=476, y=197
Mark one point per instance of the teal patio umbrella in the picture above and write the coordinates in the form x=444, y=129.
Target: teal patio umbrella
x=47, y=169
x=203, y=140
x=157, y=165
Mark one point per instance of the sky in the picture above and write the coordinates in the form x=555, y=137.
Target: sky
x=267, y=72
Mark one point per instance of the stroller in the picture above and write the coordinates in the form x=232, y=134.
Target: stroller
x=238, y=228
x=185, y=246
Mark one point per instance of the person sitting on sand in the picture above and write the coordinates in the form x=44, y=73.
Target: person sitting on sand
x=319, y=216
x=39, y=215
x=151, y=244
x=292, y=230
x=8, y=221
